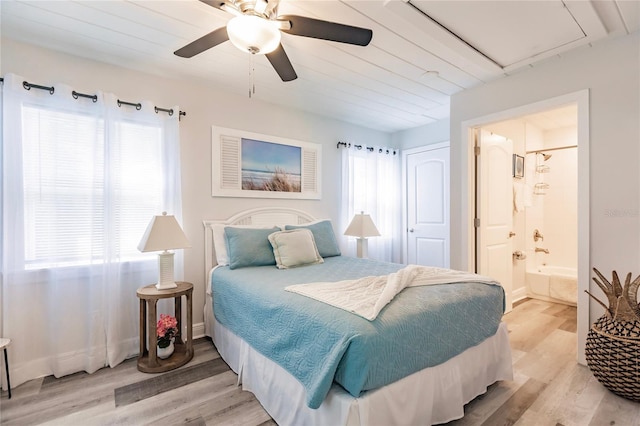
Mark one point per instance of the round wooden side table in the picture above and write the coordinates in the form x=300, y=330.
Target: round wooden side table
x=148, y=361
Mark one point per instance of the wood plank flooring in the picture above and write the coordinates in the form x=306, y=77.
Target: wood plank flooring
x=549, y=388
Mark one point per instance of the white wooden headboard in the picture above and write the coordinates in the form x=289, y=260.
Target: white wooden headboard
x=277, y=216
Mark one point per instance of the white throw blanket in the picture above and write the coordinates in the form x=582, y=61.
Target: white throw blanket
x=367, y=296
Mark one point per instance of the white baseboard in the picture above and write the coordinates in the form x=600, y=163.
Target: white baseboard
x=519, y=294
x=198, y=330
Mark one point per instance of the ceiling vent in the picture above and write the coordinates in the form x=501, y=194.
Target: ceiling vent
x=505, y=34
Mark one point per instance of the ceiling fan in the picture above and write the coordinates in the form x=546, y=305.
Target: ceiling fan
x=256, y=27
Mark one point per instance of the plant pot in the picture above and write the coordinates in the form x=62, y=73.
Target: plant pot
x=164, y=353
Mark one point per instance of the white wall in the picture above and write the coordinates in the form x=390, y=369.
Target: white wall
x=205, y=105
x=428, y=134
x=610, y=70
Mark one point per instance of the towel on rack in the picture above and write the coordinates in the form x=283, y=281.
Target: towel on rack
x=518, y=197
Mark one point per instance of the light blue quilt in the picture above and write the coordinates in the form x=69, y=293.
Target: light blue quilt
x=318, y=343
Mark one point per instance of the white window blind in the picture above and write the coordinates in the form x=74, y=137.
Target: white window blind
x=75, y=185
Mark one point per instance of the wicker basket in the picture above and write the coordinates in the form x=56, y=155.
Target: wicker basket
x=613, y=355
x=613, y=343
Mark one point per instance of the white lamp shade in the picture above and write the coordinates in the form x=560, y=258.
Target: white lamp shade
x=253, y=34
x=163, y=233
x=362, y=226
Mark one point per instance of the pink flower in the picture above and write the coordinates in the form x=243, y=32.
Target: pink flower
x=166, y=329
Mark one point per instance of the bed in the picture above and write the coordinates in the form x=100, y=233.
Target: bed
x=415, y=363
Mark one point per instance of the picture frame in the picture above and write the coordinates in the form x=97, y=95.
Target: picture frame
x=518, y=166
x=247, y=164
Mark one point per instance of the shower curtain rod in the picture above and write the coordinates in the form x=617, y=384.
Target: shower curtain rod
x=537, y=151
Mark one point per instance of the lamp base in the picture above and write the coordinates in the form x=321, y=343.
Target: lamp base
x=166, y=286
x=165, y=268
x=362, y=248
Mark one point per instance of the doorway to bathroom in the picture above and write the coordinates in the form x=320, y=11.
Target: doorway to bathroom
x=528, y=229
x=540, y=206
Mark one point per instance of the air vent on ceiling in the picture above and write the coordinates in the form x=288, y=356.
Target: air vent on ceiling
x=513, y=33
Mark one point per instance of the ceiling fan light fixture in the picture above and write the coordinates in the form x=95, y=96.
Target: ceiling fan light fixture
x=253, y=34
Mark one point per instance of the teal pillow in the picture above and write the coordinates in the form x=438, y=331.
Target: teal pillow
x=323, y=235
x=249, y=247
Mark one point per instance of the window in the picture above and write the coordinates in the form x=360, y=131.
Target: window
x=371, y=184
x=75, y=184
x=81, y=178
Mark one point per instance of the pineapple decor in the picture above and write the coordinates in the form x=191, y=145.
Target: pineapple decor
x=613, y=343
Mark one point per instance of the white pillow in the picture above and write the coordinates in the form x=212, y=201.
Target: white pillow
x=220, y=243
x=294, y=248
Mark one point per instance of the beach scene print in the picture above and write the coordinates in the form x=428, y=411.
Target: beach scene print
x=268, y=166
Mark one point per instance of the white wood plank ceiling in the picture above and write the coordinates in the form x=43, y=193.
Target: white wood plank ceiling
x=422, y=52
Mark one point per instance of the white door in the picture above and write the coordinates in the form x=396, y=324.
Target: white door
x=495, y=201
x=427, y=201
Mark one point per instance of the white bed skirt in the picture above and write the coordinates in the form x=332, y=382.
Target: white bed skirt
x=433, y=395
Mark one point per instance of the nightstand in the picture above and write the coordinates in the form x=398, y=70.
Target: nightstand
x=148, y=361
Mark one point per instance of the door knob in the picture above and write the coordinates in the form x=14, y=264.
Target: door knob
x=410, y=229
x=512, y=234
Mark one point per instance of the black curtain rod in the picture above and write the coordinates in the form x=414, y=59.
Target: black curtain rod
x=75, y=95
x=155, y=108
x=94, y=98
x=369, y=148
x=28, y=86
x=170, y=112
x=138, y=105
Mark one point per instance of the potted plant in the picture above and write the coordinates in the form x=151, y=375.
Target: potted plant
x=166, y=330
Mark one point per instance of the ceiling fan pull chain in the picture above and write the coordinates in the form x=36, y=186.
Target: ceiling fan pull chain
x=253, y=75
x=252, y=72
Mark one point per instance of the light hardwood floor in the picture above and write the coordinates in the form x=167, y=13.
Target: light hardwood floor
x=549, y=388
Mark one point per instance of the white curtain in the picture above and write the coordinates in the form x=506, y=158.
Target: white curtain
x=81, y=180
x=371, y=184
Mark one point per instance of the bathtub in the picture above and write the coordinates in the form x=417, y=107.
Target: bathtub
x=553, y=283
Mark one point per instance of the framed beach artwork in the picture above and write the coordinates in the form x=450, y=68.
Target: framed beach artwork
x=246, y=164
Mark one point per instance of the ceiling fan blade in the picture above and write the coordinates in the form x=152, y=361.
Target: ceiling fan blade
x=208, y=41
x=325, y=30
x=218, y=4
x=280, y=62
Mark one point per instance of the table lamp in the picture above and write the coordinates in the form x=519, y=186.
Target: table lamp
x=362, y=226
x=163, y=234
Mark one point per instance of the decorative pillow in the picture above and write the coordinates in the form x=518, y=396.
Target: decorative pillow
x=323, y=235
x=249, y=246
x=220, y=241
x=294, y=248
